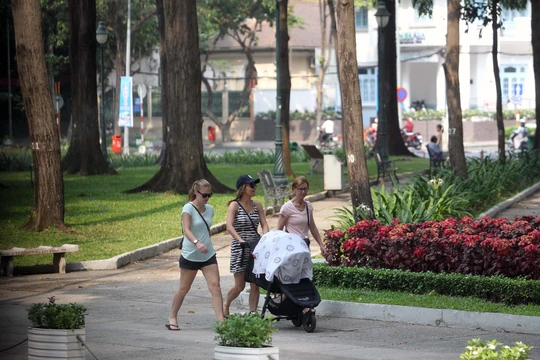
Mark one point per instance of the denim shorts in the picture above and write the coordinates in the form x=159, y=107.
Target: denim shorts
x=196, y=265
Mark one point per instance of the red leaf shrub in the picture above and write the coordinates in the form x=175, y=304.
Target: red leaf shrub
x=467, y=246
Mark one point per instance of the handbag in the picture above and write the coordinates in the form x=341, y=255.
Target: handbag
x=249, y=276
x=205, y=223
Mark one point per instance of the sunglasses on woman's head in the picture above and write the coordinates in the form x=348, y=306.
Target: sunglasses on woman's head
x=204, y=195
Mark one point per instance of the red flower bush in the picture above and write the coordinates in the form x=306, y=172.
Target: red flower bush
x=479, y=247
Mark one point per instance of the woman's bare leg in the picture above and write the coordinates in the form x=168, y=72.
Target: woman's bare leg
x=253, y=297
x=186, y=279
x=211, y=274
x=238, y=287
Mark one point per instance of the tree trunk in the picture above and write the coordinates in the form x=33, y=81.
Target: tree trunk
x=451, y=73
x=352, y=106
x=332, y=10
x=535, y=35
x=396, y=146
x=84, y=155
x=494, y=56
x=119, y=68
x=49, y=186
x=285, y=83
x=163, y=64
x=323, y=62
x=184, y=160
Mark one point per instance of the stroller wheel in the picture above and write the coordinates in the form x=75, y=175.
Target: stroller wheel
x=309, y=321
x=297, y=321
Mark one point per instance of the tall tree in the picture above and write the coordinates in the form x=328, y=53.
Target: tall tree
x=451, y=72
x=84, y=155
x=352, y=106
x=396, y=146
x=285, y=83
x=184, y=161
x=495, y=25
x=163, y=64
x=325, y=56
x=49, y=186
x=535, y=39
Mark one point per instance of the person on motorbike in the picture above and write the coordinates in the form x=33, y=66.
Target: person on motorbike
x=327, y=130
x=519, y=136
x=372, y=133
x=409, y=126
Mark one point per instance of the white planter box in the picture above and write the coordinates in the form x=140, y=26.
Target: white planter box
x=55, y=344
x=240, y=353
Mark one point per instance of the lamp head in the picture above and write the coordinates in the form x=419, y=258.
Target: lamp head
x=382, y=15
x=102, y=35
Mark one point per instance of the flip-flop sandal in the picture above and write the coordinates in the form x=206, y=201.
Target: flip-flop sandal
x=172, y=327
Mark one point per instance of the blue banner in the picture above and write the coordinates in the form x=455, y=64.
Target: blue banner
x=125, y=118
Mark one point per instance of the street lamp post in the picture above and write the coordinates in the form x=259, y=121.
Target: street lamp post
x=382, y=15
x=279, y=168
x=102, y=35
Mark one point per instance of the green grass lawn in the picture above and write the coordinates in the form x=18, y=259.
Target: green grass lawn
x=431, y=300
x=104, y=222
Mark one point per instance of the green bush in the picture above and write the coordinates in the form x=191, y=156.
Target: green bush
x=478, y=349
x=244, y=330
x=493, y=288
x=253, y=157
x=15, y=159
x=57, y=316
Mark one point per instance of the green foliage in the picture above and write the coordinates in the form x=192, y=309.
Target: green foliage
x=468, y=114
x=245, y=330
x=15, y=159
x=478, y=349
x=298, y=115
x=492, y=288
x=57, y=316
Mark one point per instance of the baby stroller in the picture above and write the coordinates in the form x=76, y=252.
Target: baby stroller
x=281, y=264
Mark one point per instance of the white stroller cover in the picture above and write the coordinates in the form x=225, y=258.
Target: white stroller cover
x=284, y=255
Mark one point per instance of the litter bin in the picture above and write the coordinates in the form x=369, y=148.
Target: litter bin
x=211, y=133
x=333, y=173
x=117, y=143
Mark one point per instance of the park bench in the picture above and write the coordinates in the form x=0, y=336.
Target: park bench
x=274, y=195
x=59, y=260
x=434, y=162
x=385, y=168
x=316, y=158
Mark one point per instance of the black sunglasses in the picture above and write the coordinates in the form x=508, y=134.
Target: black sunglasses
x=252, y=185
x=204, y=195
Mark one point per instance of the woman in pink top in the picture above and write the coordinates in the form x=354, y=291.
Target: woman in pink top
x=296, y=215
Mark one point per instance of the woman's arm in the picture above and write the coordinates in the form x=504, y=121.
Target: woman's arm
x=315, y=231
x=262, y=217
x=282, y=221
x=231, y=214
x=186, y=224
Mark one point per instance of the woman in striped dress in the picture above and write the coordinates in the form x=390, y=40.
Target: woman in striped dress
x=243, y=219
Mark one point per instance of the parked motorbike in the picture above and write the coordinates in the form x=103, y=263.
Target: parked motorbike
x=325, y=141
x=413, y=139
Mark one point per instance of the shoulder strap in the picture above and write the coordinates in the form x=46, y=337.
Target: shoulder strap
x=205, y=223
x=249, y=217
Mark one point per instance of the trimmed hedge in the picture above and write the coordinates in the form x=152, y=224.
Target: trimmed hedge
x=492, y=288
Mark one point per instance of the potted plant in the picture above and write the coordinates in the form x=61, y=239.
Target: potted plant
x=245, y=336
x=56, y=331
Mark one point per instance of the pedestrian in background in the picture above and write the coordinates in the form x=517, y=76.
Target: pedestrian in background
x=197, y=251
x=243, y=219
x=296, y=215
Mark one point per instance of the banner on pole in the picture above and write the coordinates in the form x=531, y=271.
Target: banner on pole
x=125, y=117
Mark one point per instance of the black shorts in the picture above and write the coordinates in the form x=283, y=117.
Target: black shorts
x=196, y=265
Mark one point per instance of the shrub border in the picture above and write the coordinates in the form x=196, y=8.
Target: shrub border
x=492, y=288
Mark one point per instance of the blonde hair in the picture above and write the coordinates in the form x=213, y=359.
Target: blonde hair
x=197, y=186
x=298, y=181
x=239, y=194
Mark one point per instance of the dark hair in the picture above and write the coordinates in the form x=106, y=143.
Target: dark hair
x=197, y=186
x=239, y=194
x=439, y=126
x=433, y=139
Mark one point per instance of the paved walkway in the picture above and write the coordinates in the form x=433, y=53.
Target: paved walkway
x=128, y=307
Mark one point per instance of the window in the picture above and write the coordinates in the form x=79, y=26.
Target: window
x=361, y=18
x=512, y=79
x=368, y=85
